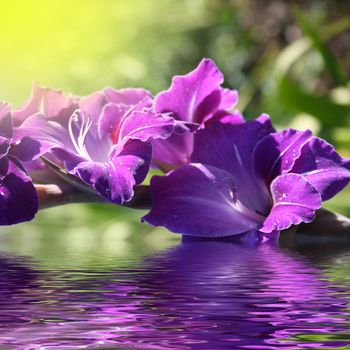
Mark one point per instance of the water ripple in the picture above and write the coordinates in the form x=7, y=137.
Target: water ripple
x=206, y=295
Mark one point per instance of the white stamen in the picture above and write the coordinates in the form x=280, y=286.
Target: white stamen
x=79, y=142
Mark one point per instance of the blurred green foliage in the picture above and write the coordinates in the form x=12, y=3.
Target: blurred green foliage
x=289, y=59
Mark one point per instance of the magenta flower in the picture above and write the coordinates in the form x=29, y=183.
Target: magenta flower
x=104, y=139
x=18, y=197
x=193, y=98
x=247, y=177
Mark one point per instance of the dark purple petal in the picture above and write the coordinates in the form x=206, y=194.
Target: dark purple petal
x=177, y=149
x=207, y=107
x=276, y=153
x=6, y=131
x=128, y=96
x=4, y=166
x=230, y=148
x=147, y=125
x=114, y=180
x=295, y=201
x=322, y=166
x=224, y=117
x=184, y=127
x=18, y=197
x=220, y=100
x=199, y=201
x=27, y=149
x=189, y=91
x=194, y=97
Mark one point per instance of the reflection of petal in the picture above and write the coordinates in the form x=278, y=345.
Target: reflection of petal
x=210, y=295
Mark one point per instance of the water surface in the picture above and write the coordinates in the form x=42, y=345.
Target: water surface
x=106, y=291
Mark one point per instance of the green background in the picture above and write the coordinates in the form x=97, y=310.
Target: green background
x=288, y=59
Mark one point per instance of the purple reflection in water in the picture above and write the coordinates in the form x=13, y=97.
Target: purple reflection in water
x=207, y=295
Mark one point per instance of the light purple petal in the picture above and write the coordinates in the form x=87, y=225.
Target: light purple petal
x=83, y=133
x=133, y=155
x=5, y=121
x=173, y=152
x=229, y=99
x=322, y=166
x=31, y=106
x=230, y=148
x=147, y=125
x=6, y=131
x=189, y=91
x=93, y=104
x=18, y=197
x=295, y=201
x=199, y=201
x=37, y=135
x=128, y=96
x=58, y=105
x=51, y=103
x=276, y=153
x=114, y=180
x=110, y=120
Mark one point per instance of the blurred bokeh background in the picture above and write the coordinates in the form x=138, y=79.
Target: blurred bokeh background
x=290, y=59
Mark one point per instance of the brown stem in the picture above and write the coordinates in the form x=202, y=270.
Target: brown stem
x=328, y=224
x=55, y=195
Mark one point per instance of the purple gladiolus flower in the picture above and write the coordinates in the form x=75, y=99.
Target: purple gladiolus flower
x=104, y=139
x=195, y=98
x=18, y=197
x=248, y=177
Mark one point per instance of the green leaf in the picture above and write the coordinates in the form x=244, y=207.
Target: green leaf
x=330, y=62
x=322, y=107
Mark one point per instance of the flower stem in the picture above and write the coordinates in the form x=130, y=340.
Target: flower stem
x=55, y=195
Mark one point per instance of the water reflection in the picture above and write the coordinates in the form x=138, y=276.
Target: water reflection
x=206, y=295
